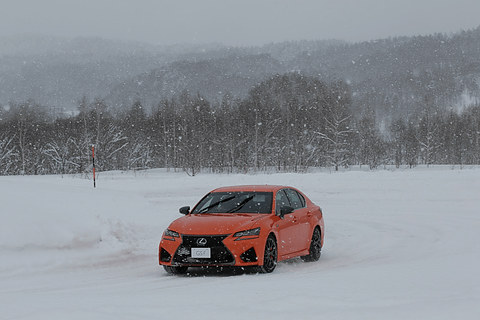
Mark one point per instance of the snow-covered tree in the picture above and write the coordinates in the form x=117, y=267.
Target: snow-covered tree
x=337, y=139
x=7, y=152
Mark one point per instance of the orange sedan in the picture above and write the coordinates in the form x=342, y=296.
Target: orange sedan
x=244, y=226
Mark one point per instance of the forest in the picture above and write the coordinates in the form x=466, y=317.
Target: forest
x=289, y=106
x=289, y=122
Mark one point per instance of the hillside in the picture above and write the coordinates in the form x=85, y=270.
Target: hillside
x=396, y=76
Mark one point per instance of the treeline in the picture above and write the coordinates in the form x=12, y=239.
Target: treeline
x=287, y=123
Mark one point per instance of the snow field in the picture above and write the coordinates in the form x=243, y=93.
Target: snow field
x=400, y=244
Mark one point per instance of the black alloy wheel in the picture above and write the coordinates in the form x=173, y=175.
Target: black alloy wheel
x=270, y=256
x=315, y=247
x=175, y=270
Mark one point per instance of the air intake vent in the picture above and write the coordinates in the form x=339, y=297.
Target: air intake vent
x=220, y=255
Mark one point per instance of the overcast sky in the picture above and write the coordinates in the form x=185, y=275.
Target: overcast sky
x=241, y=22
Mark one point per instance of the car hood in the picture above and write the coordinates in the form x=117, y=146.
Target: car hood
x=205, y=223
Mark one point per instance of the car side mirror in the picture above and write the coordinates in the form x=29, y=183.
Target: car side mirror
x=184, y=210
x=284, y=210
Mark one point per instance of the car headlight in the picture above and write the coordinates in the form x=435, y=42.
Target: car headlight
x=247, y=233
x=170, y=235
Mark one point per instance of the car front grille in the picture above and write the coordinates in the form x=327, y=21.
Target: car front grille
x=220, y=255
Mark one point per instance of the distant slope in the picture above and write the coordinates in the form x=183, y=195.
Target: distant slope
x=211, y=78
x=401, y=75
x=58, y=71
x=396, y=76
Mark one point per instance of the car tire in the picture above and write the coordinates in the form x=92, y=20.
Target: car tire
x=315, y=249
x=175, y=270
x=270, y=256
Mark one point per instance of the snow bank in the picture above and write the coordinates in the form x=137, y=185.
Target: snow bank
x=54, y=222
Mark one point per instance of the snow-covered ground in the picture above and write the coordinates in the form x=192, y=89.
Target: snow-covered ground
x=400, y=244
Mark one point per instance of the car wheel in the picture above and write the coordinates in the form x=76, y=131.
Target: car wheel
x=315, y=247
x=175, y=270
x=270, y=256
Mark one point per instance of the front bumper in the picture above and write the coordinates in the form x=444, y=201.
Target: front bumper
x=225, y=251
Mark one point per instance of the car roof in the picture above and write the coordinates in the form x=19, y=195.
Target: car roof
x=246, y=188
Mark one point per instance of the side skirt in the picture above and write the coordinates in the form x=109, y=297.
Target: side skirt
x=293, y=255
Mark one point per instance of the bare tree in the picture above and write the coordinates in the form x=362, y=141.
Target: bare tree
x=109, y=142
x=7, y=152
x=428, y=139
x=61, y=152
x=138, y=154
x=336, y=135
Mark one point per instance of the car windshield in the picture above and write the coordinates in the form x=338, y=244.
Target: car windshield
x=239, y=202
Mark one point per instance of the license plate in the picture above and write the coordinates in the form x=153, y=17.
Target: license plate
x=200, y=252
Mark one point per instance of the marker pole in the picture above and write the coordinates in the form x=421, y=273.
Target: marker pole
x=93, y=159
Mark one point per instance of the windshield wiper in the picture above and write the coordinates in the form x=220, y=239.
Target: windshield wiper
x=215, y=204
x=241, y=204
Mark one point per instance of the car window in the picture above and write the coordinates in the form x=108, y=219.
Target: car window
x=302, y=199
x=281, y=200
x=296, y=200
x=239, y=202
x=208, y=200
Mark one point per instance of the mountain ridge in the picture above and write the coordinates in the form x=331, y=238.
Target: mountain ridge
x=390, y=76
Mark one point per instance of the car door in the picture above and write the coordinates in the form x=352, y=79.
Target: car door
x=303, y=216
x=288, y=228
